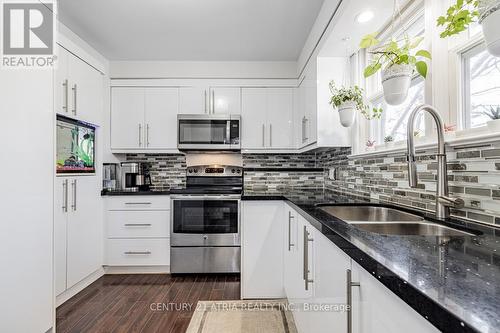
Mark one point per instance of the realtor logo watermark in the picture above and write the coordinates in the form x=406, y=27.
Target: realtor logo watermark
x=28, y=33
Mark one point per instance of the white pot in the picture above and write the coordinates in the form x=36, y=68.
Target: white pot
x=396, y=81
x=347, y=113
x=494, y=125
x=389, y=144
x=490, y=21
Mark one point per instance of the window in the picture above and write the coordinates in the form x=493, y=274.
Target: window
x=394, y=118
x=481, y=88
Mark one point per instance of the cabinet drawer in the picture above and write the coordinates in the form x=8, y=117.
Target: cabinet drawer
x=138, y=224
x=138, y=252
x=138, y=202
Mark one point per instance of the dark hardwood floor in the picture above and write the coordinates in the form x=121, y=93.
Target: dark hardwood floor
x=143, y=303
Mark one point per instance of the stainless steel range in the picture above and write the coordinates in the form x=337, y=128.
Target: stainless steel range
x=205, y=221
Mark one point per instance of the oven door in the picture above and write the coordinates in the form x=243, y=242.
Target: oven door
x=205, y=221
x=208, y=132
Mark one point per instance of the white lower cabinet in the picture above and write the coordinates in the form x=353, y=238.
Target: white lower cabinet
x=262, y=258
x=137, y=231
x=315, y=283
x=77, y=230
x=376, y=309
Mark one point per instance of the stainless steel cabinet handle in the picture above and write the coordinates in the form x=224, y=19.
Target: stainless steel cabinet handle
x=73, y=187
x=306, y=258
x=213, y=101
x=66, y=95
x=75, y=93
x=137, y=203
x=303, y=129
x=206, y=103
x=137, y=224
x=349, y=286
x=290, y=217
x=270, y=135
x=137, y=252
x=263, y=135
x=140, y=135
x=147, y=135
x=65, y=196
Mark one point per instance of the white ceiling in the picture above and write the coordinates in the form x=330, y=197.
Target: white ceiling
x=201, y=30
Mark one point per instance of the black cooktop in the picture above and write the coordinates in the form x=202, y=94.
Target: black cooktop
x=207, y=190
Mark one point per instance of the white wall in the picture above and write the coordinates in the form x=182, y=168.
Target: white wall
x=26, y=200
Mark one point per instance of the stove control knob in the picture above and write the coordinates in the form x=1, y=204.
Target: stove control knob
x=195, y=170
x=233, y=171
x=190, y=170
x=239, y=170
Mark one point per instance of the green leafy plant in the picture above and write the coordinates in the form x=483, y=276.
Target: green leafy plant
x=353, y=94
x=458, y=17
x=493, y=111
x=388, y=138
x=394, y=52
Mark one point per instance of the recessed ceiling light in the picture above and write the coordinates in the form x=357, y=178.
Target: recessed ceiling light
x=365, y=16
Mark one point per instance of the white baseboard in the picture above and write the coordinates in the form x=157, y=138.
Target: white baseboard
x=137, y=269
x=66, y=295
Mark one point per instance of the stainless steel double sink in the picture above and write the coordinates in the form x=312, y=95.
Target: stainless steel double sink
x=389, y=221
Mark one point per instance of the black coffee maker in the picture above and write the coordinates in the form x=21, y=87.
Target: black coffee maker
x=135, y=176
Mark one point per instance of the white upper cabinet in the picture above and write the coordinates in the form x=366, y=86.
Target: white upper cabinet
x=280, y=117
x=267, y=118
x=225, y=100
x=127, y=118
x=144, y=118
x=161, y=105
x=253, y=118
x=193, y=100
x=78, y=89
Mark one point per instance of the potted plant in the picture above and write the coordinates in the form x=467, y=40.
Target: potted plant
x=449, y=131
x=398, y=60
x=460, y=15
x=493, y=111
x=347, y=101
x=389, y=141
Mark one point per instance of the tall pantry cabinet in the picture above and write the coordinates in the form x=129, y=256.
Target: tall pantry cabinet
x=78, y=229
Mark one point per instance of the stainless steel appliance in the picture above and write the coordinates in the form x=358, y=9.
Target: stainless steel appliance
x=201, y=132
x=205, y=221
x=135, y=177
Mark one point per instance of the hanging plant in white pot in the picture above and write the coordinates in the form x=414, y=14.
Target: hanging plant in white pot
x=398, y=60
x=348, y=101
x=465, y=12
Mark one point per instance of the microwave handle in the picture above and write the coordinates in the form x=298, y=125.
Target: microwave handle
x=228, y=131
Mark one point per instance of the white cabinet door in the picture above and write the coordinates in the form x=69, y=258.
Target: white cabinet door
x=376, y=309
x=193, y=100
x=85, y=230
x=127, y=118
x=280, y=117
x=302, y=292
x=291, y=268
x=85, y=90
x=61, y=209
x=330, y=280
x=61, y=83
x=262, y=255
x=253, y=118
x=161, y=108
x=225, y=100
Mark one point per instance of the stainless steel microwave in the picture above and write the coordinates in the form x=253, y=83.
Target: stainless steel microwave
x=202, y=132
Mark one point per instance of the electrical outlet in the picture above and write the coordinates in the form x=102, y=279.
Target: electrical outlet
x=332, y=174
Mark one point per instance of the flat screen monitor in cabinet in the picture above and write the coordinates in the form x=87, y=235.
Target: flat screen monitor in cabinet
x=75, y=150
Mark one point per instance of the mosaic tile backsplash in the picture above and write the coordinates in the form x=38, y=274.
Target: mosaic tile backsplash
x=473, y=175
x=167, y=171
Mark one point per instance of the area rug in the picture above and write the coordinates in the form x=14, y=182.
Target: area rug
x=242, y=317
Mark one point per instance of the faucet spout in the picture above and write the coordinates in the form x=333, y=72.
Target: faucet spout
x=443, y=201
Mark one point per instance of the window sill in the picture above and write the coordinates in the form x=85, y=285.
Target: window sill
x=469, y=138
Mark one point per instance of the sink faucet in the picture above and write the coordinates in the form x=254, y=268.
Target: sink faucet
x=443, y=200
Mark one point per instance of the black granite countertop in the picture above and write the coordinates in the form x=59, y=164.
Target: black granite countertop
x=453, y=282
x=152, y=192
